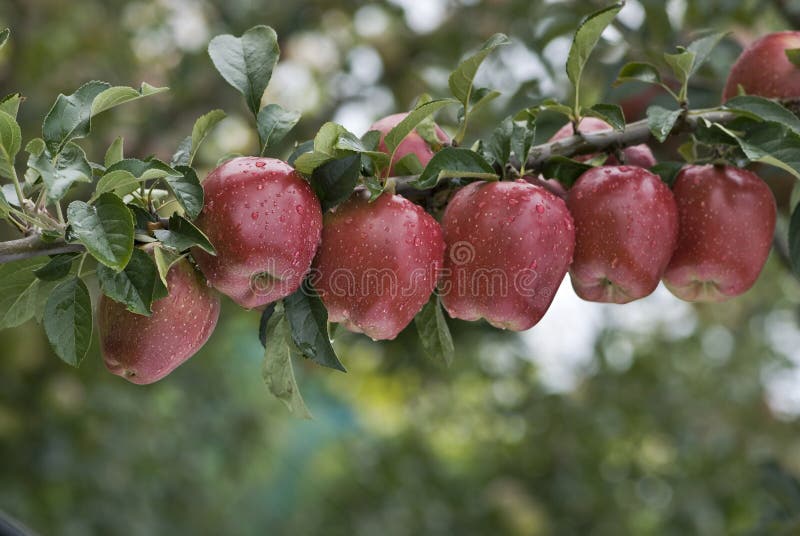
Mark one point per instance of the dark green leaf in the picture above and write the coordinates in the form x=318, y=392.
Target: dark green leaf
x=408, y=165
x=58, y=268
x=564, y=170
x=522, y=136
x=586, y=38
x=19, y=288
x=395, y=136
x=308, y=322
x=668, y=171
x=246, y=62
x=461, y=79
x=182, y=235
x=610, y=113
x=134, y=286
x=274, y=123
x=682, y=65
x=105, y=228
x=762, y=109
x=277, y=370
x=453, y=162
x=187, y=190
x=702, y=49
x=68, y=321
x=114, y=96
x=434, y=332
x=263, y=321
x=305, y=147
x=374, y=187
x=334, y=181
x=70, y=117
x=661, y=121
x=59, y=173
x=119, y=181
x=165, y=259
x=637, y=71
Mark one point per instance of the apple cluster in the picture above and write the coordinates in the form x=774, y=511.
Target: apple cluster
x=499, y=251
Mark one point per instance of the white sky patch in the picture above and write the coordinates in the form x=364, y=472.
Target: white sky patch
x=423, y=16
x=371, y=21
x=632, y=15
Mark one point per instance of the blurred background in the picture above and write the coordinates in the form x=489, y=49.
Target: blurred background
x=657, y=417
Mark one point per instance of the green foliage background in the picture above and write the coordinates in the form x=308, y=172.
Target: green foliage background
x=672, y=424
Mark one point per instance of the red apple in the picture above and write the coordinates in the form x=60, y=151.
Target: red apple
x=626, y=228
x=764, y=69
x=144, y=349
x=509, y=245
x=265, y=223
x=727, y=220
x=413, y=143
x=637, y=155
x=377, y=264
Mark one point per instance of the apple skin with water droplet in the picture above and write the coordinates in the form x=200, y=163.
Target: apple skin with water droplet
x=265, y=223
x=509, y=245
x=413, y=143
x=144, y=349
x=636, y=155
x=626, y=223
x=763, y=69
x=727, y=221
x=377, y=264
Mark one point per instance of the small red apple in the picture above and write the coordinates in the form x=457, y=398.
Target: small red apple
x=413, y=143
x=377, y=264
x=509, y=245
x=144, y=349
x=763, y=68
x=265, y=223
x=626, y=225
x=727, y=221
x=637, y=155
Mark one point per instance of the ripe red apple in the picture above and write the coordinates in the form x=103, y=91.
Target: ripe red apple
x=727, y=220
x=377, y=264
x=764, y=69
x=144, y=349
x=626, y=228
x=413, y=143
x=637, y=155
x=509, y=245
x=265, y=223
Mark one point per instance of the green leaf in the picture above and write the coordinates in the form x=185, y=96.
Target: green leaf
x=668, y=171
x=105, y=228
x=10, y=143
x=461, y=80
x=134, y=286
x=144, y=170
x=58, y=268
x=119, y=181
x=586, y=38
x=498, y=146
x=610, y=113
x=374, y=186
x=10, y=104
x=395, y=136
x=308, y=322
x=114, y=96
x=682, y=64
x=274, y=123
x=453, y=162
x=522, y=136
x=324, y=148
x=334, y=181
x=70, y=117
x=638, y=71
x=68, y=321
x=277, y=370
x=115, y=152
x=771, y=144
x=18, y=291
x=794, y=55
x=434, y=332
x=5, y=207
x=661, y=121
x=59, y=173
x=187, y=190
x=702, y=49
x=4, y=35
x=564, y=170
x=188, y=148
x=246, y=62
x=794, y=241
x=408, y=165
x=484, y=97
x=182, y=235
x=165, y=259
x=762, y=109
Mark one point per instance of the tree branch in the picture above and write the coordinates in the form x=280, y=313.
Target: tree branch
x=33, y=246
